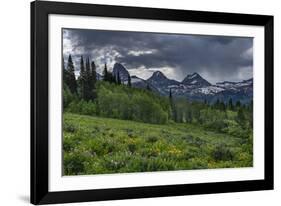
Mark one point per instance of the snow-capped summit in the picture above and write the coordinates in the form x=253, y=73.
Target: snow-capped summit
x=196, y=80
x=161, y=82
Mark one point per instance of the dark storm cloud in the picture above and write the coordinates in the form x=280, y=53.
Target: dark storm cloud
x=216, y=58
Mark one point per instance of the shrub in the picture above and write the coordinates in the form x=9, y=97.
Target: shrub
x=101, y=147
x=73, y=163
x=82, y=107
x=69, y=143
x=194, y=141
x=130, y=132
x=222, y=153
x=198, y=163
x=68, y=127
x=68, y=97
x=114, y=163
x=132, y=147
x=236, y=130
x=152, y=139
x=218, y=125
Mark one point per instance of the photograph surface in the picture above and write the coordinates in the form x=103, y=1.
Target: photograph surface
x=146, y=102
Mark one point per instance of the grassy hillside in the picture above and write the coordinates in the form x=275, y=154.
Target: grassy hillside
x=96, y=145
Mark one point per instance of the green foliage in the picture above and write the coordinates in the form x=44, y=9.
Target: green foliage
x=87, y=80
x=152, y=139
x=230, y=104
x=105, y=73
x=132, y=104
x=82, y=79
x=74, y=163
x=241, y=117
x=213, y=119
x=82, y=107
x=68, y=127
x=69, y=76
x=96, y=145
x=238, y=104
x=109, y=77
x=68, y=97
x=222, y=153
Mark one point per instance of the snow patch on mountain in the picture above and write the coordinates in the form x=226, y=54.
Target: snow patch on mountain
x=193, y=82
x=235, y=85
x=210, y=90
x=192, y=76
x=196, y=80
x=135, y=79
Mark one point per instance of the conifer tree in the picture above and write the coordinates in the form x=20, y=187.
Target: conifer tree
x=173, y=107
x=189, y=116
x=222, y=106
x=93, y=72
x=171, y=102
x=241, y=117
x=217, y=104
x=82, y=67
x=251, y=114
x=82, y=79
x=65, y=73
x=230, y=104
x=118, y=78
x=88, y=84
x=70, y=76
x=110, y=77
x=205, y=101
x=93, y=80
x=238, y=104
x=88, y=69
x=251, y=106
x=129, y=81
x=105, y=73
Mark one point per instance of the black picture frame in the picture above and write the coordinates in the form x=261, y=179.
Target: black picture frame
x=39, y=102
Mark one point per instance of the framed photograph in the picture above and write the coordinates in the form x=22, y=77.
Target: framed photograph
x=133, y=102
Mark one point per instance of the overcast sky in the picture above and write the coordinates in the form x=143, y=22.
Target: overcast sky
x=216, y=58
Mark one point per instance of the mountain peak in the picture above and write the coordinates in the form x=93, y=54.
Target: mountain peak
x=194, y=75
x=158, y=74
x=196, y=80
x=161, y=82
x=118, y=68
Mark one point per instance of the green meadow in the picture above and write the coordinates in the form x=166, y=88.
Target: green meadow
x=96, y=145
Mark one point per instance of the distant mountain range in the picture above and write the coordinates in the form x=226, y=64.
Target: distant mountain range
x=193, y=86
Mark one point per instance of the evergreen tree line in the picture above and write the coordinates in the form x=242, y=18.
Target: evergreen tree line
x=235, y=119
x=85, y=86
